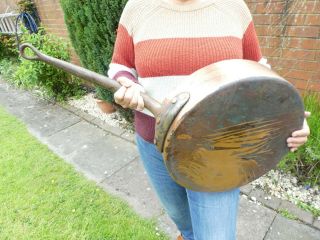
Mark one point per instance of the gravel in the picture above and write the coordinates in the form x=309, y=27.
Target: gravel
x=88, y=104
x=285, y=186
x=275, y=183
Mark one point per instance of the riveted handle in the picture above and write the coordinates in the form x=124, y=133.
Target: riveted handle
x=151, y=104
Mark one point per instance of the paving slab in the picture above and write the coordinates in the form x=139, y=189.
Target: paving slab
x=128, y=136
x=246, y=189
x=296, y=211
x=131, y=182
x=16, y=97
x=114, y=130
x=316, y=223
x=166, y=225
x=253, y=220
x=266, y=199
x=86, y=116
x=286, y=229
x=48, y=121
x=41, y=117
x=91, y=150
x=18, y=101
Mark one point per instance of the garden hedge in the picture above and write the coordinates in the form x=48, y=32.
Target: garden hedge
x=92, y=26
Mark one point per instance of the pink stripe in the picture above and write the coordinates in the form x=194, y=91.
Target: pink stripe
x=125, y=74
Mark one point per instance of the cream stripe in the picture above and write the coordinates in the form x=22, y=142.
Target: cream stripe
x=169, y=86
x=197, y=24
x=146, y=19
x=136, y=11
x=164, y=87
x=114, y=68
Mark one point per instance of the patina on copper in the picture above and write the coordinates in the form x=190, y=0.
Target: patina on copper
x=169, y=111
x=227, y=128
x=234, y=127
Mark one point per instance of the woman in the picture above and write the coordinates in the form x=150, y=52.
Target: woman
x=159, y=43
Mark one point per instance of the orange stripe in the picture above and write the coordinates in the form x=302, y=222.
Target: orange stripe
x=183, y=56
x=251, y=48
x=123, y=49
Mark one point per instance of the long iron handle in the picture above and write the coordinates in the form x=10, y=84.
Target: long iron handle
x=151, y=104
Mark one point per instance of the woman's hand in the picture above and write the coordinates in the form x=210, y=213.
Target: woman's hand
x=128, y=96
x=299, y=137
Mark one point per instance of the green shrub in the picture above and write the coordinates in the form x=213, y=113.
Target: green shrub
x=92, y=28
x=305, y=162
x=55, y=83
x=8, y=47
x=8, y=67
x=104, y=95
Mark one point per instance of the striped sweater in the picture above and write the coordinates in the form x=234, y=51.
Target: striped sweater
x=159, y=43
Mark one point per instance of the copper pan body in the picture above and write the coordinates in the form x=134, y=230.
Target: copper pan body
x=234, y=127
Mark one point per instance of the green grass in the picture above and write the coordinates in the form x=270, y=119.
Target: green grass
x=315, y=212
x=305, y=163
x=285, y=213
x=42, y=197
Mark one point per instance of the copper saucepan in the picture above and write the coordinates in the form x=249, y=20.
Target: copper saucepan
x=228, y=127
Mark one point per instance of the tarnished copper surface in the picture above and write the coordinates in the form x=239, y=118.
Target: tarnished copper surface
x=170, y=109
x=233, y=128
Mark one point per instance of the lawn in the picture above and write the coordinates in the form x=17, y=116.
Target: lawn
x=42, y=197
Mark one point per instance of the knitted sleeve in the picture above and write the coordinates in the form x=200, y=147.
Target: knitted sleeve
x=122, y=63
x=250, y=42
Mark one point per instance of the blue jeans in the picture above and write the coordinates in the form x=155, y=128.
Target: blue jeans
x=198, y=215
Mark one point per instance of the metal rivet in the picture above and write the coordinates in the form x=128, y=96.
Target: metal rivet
x=174, y=100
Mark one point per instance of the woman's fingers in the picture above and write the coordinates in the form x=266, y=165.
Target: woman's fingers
x=127, y=97
x=119, y=95
x=301, y=133
x=129, y=94
x=137, y=102
x=134, y=101
x=294, y=145
x=125, y=82
x=300, y=140
x=140, y=103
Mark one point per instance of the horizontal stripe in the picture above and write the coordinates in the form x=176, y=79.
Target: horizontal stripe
x=168, y=87
x=250, y=42
x=155, y=19
x=191, y=24
x=115, y=68
x=126, y=75
x=183, y=56
x=160, y=88
x=123, y=48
